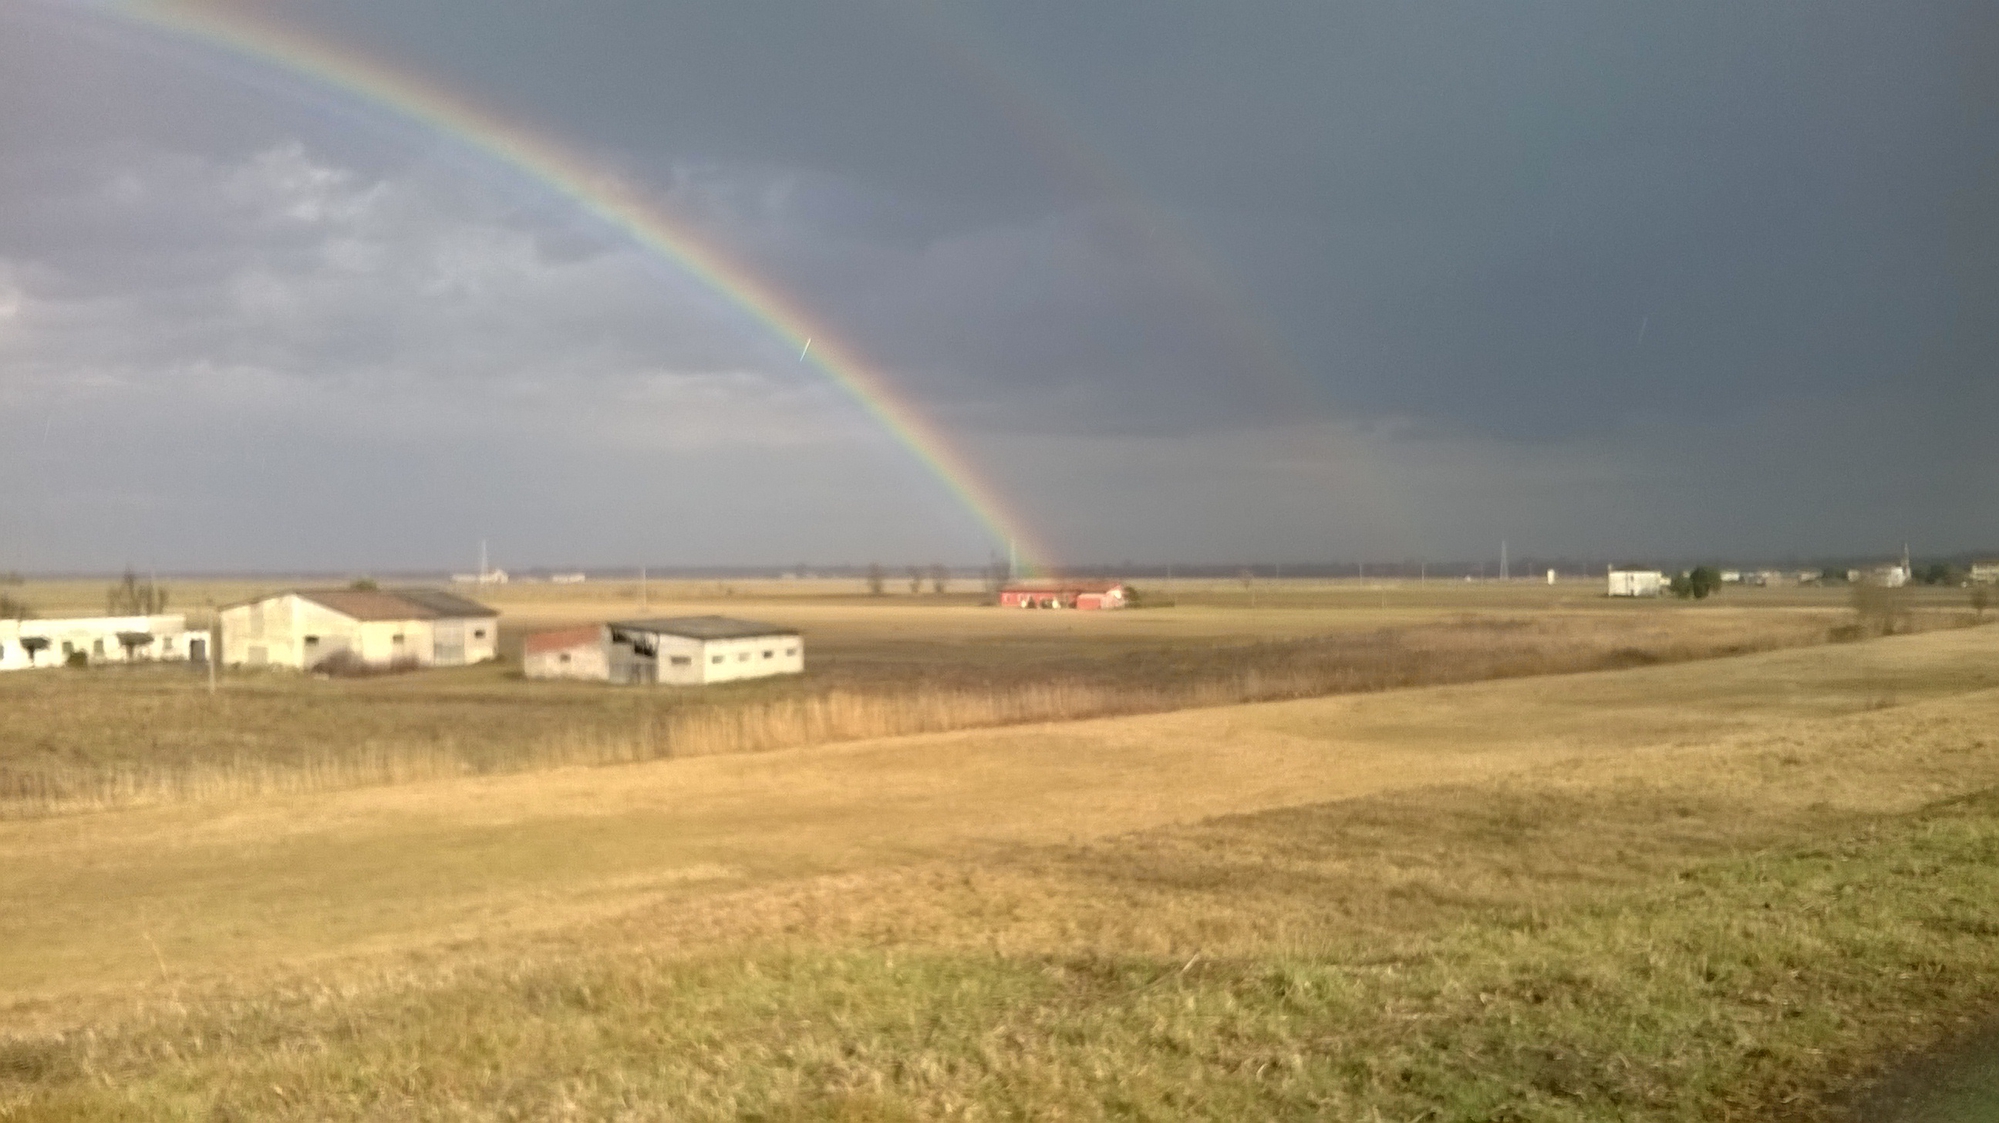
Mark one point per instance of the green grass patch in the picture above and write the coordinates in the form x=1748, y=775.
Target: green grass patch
x=1761, y=985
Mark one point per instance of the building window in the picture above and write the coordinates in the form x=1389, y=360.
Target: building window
x=770, y=654
x=743, y=658
x=562, y=658
x=97, y=647
x=397, y=639
x=478, y=633
x=312, y=641
x=791, y=651
x=681, y=660
x=716, y=659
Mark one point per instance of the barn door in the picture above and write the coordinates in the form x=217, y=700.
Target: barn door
x=447, y=644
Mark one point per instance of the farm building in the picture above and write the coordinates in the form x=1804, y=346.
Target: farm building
x=676, y=651
x=1892, y=576
x=1984, y=573
x=403, y=627
x=1628, y=582
x=1064, y=594
x=101, y=639
x=583, y=652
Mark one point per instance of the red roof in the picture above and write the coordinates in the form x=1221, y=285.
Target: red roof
x=562, y=639
x=1062, y=586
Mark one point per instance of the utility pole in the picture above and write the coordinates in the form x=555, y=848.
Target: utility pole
x=1502, y=559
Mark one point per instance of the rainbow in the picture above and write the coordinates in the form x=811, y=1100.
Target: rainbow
x=610, y=200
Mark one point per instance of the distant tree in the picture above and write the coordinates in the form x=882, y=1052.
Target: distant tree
x=363, y=585
x=915, y=579
x=1698, y=583
x=12, y=577
x=1940, y=573
x=1832, y=576
x=133, y=597
x=133, y=641
x=34, y=645
x=940, y=577
x=1980, y=599
x=876, y=579
x=11, y=609
x=1704, y=581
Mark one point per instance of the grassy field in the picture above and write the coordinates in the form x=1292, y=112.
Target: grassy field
x=877, y=667
x=1731, y=889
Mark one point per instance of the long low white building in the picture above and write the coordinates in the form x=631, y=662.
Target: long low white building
x=100, y=639
x=1636, y=583
x=304, y=628
x=673, y=651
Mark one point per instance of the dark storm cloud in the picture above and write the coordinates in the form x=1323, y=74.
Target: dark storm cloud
x=1337, y=277
x=1515, y=217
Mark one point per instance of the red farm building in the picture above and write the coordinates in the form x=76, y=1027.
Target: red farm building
x=1064, y=594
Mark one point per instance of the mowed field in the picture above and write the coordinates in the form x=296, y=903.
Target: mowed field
x=877, y=666
x=1731, y=888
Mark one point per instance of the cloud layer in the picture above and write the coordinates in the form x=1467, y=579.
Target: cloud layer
x=1326, y=283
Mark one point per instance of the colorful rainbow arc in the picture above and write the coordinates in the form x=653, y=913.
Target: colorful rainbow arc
x=610, y=201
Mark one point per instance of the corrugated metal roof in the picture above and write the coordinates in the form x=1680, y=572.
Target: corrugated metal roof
x=385, y=604
x=445, y=604
x=562, y=639
x=367, y=604
x=703, y=627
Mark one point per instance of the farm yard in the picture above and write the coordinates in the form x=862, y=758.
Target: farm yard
x=1578, y=861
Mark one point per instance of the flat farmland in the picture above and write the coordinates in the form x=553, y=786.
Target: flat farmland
x=1744, y=887
x=877, y=666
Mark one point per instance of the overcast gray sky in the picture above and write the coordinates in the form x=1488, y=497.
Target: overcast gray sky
x=1221, y=283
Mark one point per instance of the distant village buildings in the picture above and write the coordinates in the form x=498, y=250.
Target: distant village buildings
x=306, y=628
x=669, y=651
x=483, y=577
x=1984, y=573
x=1627, y=581
x=99, y=639
x=1065, y=594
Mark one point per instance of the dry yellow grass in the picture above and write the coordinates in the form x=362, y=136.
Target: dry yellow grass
x=1717, y=889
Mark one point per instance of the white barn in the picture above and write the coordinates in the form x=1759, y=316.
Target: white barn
x=101, y=639
x=389, y=627
x=673, y=651
x=1636, y=582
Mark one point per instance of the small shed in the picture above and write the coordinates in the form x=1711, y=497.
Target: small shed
x=583, y=653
